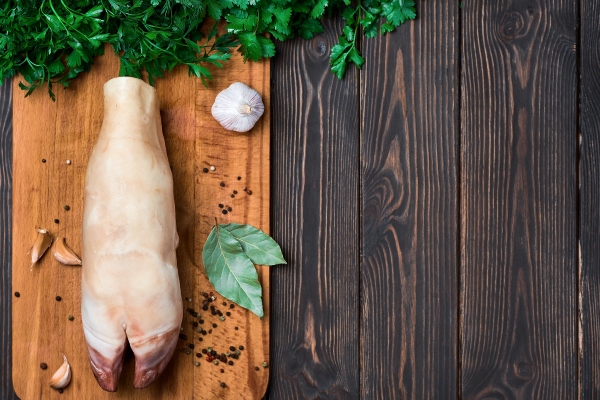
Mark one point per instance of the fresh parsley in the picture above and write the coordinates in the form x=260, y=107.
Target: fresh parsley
x=53, y=41
x=229, y=255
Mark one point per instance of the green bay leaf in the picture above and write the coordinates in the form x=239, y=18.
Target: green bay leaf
x=259, y=246
x=230, y=270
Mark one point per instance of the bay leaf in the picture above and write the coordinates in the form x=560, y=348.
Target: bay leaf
x=259, y=246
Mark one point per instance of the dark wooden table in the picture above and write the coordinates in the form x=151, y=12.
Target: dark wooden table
x=440, y=210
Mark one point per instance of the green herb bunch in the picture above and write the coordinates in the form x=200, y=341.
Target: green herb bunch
x=53, y=41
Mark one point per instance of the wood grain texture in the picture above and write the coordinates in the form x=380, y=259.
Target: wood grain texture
x=67, y=130
x=589, y=49
x=518, y=200
x=409, y=185
x=315, y=164
x=6, y=386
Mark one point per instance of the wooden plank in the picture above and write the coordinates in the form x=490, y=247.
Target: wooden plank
x=409, y=113
x=6, y=387
x=518, y=200
x=316, y=220
x=589, y=197
x=67, y=129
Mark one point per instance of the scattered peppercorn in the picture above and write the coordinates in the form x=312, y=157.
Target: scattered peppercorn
x=56, y=221
x=249, y=192
x=60, y=391
x=241, y=347
x=182, y=336
x=198, y=355
x=197, y=364
x=239, y=178
x=265, y=364
x=220, y=206
x=195, y=324
x=222, y=371
x=43, y=366
x=17, y=294
x=224, y=211
x=204, y=294
x=205, y=170
x=236, y=328
x=71, y=318
x=212, y=168
x=229, y=209
x=188, y=351
x=200, y=339
x=67, y=208
x=231, y=305
x=228, y=314
x=235, y=192
x=245, y=189
x=233, y=196
x=216, y=362
x=231, y=348
x=68, y=162
x=58, y=298
x=213, y=352
x=204, y=351
x=191, y=345
x=256, y=368
x=201, y=321
x=223, y=385
x=214, y=325
x=43, y=160
x=222, y=184
x=230, y=362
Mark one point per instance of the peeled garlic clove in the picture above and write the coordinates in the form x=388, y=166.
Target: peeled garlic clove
x=64, y=254
x=41, y=244
x=238, y=107
x=62, y=376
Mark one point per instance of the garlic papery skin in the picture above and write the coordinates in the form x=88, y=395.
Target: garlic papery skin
x=64, y=254
x=42, y=243
x=238, y=107
x=62, y=376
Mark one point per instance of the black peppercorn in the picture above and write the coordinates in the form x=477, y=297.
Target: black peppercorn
x=43, y=160
x=241, y=347
x=214, y=325
x=204, y=308
x=222, y=184
x=205, y=170
x=71, y=318
x=56, y=221
x=182, y=336
x=204, y=351
x=195, y=324
x=220, y=206
x=213, y=353
x=256, y=368
x=60, y=391
x=228, y=314
x=223, y=384
x=233, y=196
x=235, y=192
x=222, y=371
x=239, y=178
x=67, y=208
x=236, y=328
x=17, y=294
x=191, y=345
x=58, y=298
x=201, y=321
x=231, y=348
x=43, y=366
x=224, y=211
x=198, y=355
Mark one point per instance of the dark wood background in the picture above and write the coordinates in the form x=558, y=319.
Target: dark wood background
x=439, y=210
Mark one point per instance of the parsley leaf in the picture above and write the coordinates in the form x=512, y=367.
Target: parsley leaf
x=55, y=41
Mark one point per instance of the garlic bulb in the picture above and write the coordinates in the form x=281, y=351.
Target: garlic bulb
x=238, y=107
x=42, y=243
x=64, y=254
x=62, y=376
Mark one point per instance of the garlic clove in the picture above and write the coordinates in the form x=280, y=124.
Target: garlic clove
x=238, y=107
x=41, y=244
x=62, y=376
x=64, y=254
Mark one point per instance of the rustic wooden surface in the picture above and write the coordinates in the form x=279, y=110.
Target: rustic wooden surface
x=589, y=262
x=66, y=130
x=409, y=206
x=316, y=219
x=518, y=206
x=429, y=209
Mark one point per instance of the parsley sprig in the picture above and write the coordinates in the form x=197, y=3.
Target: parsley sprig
x=53, y=41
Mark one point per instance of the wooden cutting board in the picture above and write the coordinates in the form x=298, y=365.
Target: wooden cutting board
x=46, y=134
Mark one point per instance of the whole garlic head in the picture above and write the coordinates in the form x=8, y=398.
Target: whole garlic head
x=238, y=107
